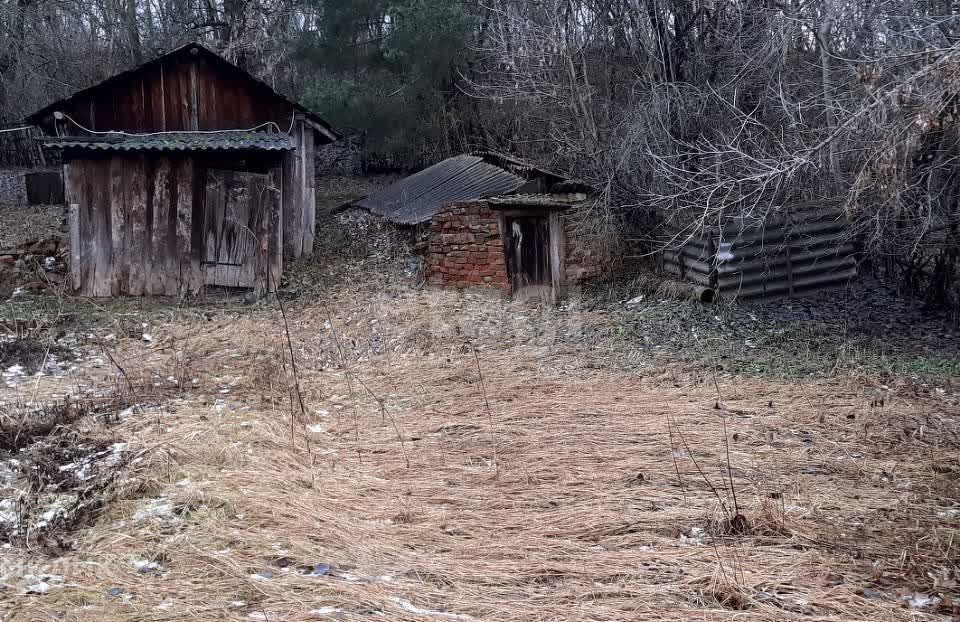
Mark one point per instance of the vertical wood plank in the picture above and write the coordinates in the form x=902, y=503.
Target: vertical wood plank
x=557, y=244
x=287, y=206
x=119, y=260
x=73, y=222
x=276, y=231
x=72, y=196
x=261, y=215
x=194, y=97
x=88, y=229
x=163, y=101
x=102, y=238
x=188, y=266
x=293, y=209
x=156, y=283
x=213, y=226
x=309, y=191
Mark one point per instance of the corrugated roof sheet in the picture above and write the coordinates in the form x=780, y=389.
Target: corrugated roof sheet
x=175, y=141
x=415, y=199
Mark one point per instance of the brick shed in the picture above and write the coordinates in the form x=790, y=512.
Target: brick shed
x=522, y=244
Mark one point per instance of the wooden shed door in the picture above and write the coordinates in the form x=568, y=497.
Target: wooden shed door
x=528, y=251
x=240, y=212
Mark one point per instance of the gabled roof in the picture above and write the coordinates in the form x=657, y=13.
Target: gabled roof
x=175, y=141
x=415, y=199
x=189, y=49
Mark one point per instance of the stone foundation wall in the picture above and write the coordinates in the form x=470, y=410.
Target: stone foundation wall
x=465, y=247
x=584, y=258
x=13, y=186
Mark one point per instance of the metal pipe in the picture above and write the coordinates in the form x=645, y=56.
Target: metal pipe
x=684, y=291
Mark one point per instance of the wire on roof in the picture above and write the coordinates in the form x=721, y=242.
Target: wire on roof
x=16, y=129
x=135, y=135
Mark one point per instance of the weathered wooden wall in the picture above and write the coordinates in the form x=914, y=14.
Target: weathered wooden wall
x=195, y=90
x=141, y=225
x=300, y=202
x=181, y=93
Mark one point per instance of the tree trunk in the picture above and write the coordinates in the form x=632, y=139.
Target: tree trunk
x=823, y=40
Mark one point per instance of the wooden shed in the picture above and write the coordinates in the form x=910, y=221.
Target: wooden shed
x=182, y=173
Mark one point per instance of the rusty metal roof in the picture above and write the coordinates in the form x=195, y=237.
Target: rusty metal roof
x=415, y=199
x=175, y=141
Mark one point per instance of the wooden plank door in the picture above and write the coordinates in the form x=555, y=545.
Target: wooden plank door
x=240, y=213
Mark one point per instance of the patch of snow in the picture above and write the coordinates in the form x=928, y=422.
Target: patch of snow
x=920, y=601
x=409, y=607
x=694, y=538
x=322, y=611
x=12, y=373
x=8, y=511
x=157, y=508
x=38, y=588
x=316, y=428
x=126, y=412
x=145, y=566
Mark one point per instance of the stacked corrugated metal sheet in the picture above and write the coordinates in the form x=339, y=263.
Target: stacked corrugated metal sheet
x=415, y=199
x=782, y=257
x=226, y=140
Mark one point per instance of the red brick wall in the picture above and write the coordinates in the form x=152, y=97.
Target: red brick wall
x=465, y=247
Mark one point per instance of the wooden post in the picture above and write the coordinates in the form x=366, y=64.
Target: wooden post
x=71, y=195
x=292, y=216
x=309, y=192
x=276, y=231
x=73, y=218
x=556, y=256
x=504, y=241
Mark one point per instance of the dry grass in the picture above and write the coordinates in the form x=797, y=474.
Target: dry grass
x=541, y=478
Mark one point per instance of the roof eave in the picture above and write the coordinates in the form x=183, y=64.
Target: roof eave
x=316, y=121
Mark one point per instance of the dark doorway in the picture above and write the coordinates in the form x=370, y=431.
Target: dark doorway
x=528, y=251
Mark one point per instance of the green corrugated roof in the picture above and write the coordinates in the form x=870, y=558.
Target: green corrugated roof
x=175, y=141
